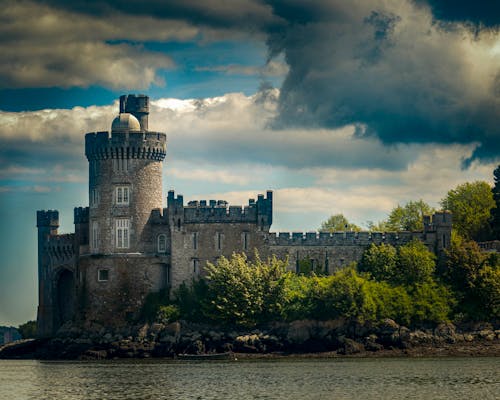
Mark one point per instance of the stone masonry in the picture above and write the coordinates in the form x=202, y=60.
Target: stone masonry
x=127, y=245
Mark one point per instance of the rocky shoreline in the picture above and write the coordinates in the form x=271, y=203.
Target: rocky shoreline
x=336, y=338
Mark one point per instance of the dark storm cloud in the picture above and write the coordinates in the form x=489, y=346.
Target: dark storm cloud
x=390, y=67
x=240, y=14
x=480, y=12
x=387, y=67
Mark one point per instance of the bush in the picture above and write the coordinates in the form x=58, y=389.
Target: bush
x=152, y=304
x=191, y=300
x=28, y=330
x=380, y=262
x=432, y=303
x=243, y=292
x=416, y=264
x=167, y=314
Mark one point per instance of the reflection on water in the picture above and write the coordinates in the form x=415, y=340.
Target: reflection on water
x=441, y=378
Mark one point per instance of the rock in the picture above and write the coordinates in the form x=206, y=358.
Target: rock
x=446, y=332
x=156, y=328
x=108, y=338
x=300, y=331
x=371, y=343
x=142, y=331
x=420, y=337
x=350, y=346
x=468, y=337
x=388, y=327
x=94, y=355
x=487, y=334
x=173, y=329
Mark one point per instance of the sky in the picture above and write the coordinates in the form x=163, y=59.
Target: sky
x=338, y=106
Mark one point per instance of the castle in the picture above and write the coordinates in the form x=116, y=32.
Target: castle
x=127, y=245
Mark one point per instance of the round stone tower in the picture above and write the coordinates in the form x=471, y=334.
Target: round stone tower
x=125, y=179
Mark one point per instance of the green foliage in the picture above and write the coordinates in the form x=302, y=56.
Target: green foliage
x=431, y=303
x=475, y=278
x=306, y=267
x=380, y=226
x=27, y=330
x=471, y=204
x=409, y=264
x=191, y=300
x=408, y=217
x=464, y=260
x=152, y=304
x=380, y=261
x=298, y=297
x=245, y=293
x=166, y=314
x=416, y=264
x=495, y=212
x=391, y=302
x=488, y=292
x=337, y=223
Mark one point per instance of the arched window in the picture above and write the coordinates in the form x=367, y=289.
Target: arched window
x=162, y=243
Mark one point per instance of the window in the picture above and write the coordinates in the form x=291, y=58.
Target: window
x=162, y=243
x=94, y=198
x=122, y=195
x=120, y=164
x=166, y=275
x=95, y=237
x=195, y=240
x=244, y=239
x=218, y=240
x=122, y=233
x=196, y=265
x=103, y=275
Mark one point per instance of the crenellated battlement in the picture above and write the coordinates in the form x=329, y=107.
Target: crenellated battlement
x=49, y=218
x=81, y=215
x=342, y=238
x=140, y=145
x=61, y=248
x=219, y=211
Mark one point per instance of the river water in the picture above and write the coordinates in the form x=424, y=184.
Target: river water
x=394, y=378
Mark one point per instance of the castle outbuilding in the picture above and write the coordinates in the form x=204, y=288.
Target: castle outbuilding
x=127, y=245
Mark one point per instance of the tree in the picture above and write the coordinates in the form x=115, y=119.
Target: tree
x=408, y=217
x=337, y=223
x=471, y=204
x=416, y=264
x=243, y=292
x=27, y=330
x=475, y=278
x=464, y=260
x=380, y=261
x=495, y=212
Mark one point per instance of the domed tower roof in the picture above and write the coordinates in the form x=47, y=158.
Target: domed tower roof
x=124, y=123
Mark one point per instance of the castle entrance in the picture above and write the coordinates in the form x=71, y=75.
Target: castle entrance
x=64, y=298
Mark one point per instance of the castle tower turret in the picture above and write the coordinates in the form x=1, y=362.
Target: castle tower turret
x=125, y=179
x=138, y=106
x=47, y=223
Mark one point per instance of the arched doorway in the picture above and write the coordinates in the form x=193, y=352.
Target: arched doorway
x=64, y=298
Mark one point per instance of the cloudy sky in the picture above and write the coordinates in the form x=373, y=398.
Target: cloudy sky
x=348, y=106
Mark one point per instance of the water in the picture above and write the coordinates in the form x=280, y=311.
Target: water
x=397, y=378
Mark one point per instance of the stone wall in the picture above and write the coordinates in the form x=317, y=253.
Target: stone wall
x=120, y=297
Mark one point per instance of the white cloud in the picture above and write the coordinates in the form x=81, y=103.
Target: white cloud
x=197, y=174
x=225, y=141
x=272, y=68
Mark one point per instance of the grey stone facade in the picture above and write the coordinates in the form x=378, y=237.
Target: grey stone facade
x=126, y=245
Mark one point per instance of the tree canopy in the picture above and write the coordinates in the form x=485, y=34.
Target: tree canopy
x=408, y=217
x=338, y=222
x=495, y=212
x=471, y=204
